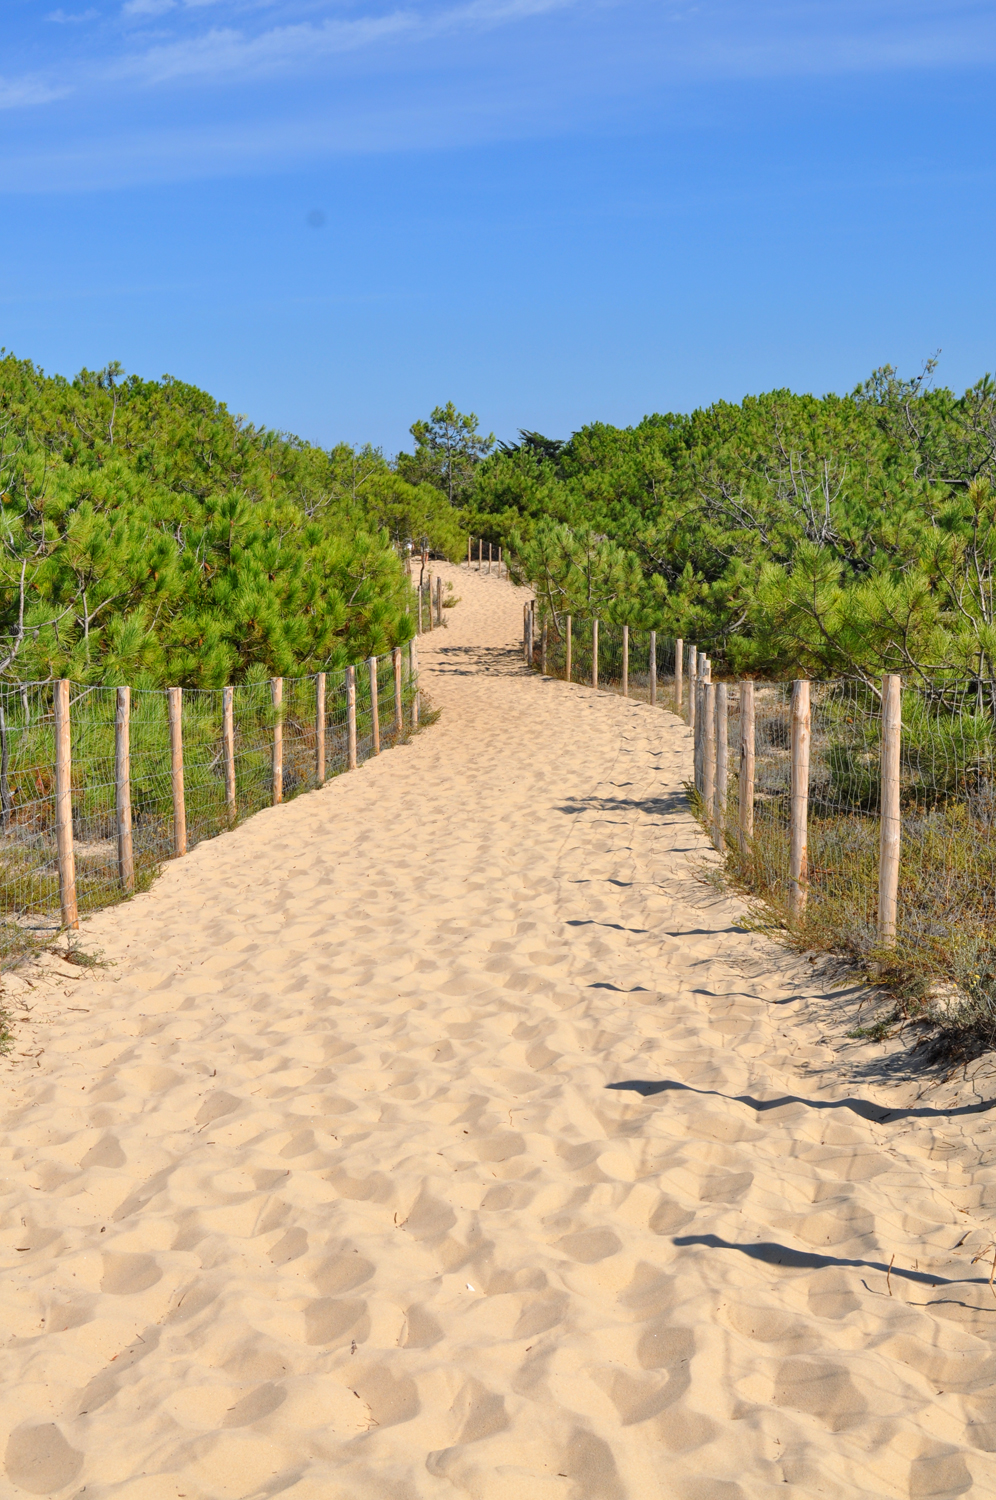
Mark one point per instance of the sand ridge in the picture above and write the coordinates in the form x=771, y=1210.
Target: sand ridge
x=441, y=1134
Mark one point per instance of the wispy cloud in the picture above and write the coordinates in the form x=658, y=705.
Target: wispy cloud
x=16, y=92
x=72, y=18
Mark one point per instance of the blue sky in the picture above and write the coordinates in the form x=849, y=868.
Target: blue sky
x=334, y=214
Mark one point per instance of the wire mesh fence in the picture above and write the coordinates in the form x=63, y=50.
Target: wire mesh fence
x=286, y=737
x=793, y=783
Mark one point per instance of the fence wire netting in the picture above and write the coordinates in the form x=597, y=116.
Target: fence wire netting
x=29, y=866
x=945, y=918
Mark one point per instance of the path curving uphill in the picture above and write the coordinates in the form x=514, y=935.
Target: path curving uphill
x=441, y=1134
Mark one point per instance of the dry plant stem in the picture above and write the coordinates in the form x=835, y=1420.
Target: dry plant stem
x=399, y=702
x=890, y=822
x=175, y=700
x=594, y=653
x=722, y=768
x=374, y=704
x=228, y=749
x=625, y=661
x=745, y=810
x=799, y=827
x=64, y=807
x=351, y=718
x=567, y=663
x=320, y=727
x=122, y=788
x=277, y=764
x=653, y=669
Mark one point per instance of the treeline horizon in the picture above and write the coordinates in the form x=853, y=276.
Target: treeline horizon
x=785, y=534
x=150, y=536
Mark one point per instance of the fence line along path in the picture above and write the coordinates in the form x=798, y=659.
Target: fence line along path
x=441, y=1134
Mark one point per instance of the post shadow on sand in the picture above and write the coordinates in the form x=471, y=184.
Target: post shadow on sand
x=860, y=1107
x=471, y=661
x=773, y=1254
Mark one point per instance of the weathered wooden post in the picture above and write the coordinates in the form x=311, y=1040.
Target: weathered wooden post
x=64, y=807
x=413, y=677
x=889, y=814
x=653, y=668
x=228, y=749
x=567, y=663
x=722, y=768
x=399, y=702
x=351, y=718
x=428, y=587
x=693, y=677
x=374, y=705
x=277, y=759
x=320, y=729
x=708, y=707
x=625, y=661
x=122, y=788
x=799, y=827
x=174, y=698
x=544, y=643
x=419, y=594
x=525, y=633
x=594, y=653
x=480, y=553
x=745, y=788
x=489, y=559
x=679, y=653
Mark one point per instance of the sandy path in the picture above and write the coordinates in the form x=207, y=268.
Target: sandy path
x=324, y=1190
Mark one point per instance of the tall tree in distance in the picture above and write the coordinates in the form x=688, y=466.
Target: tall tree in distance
x=448, y=449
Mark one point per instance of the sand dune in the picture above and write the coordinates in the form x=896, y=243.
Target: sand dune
x=441, y=1134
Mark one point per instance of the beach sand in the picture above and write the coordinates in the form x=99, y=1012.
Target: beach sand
x=441, y=1133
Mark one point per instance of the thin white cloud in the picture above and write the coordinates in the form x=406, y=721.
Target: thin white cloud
x=16, y=92
x=143, y=8
x=64, y=19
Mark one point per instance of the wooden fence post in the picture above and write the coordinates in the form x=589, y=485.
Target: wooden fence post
x=374, y=704
x=799, y=830
x=174, y=698
x=653, y=668
x=745, y=788
x=708, y=708
x=625, y=662
x=399, y=702
x=722, y=768
x=489, y=559
x=277, y=699
x=418, y=592
x=679, y=653
x=544, y=644
x=351, y=718
x=697, y=735
x=320, y=728
x=228, y=748
x=567, y=663
x=525, y=633
x=413, y=677
x=122, y=788
x=64, y=807
x=889, y=812
x=594, y=653
x=693, y=677
x=480, y=553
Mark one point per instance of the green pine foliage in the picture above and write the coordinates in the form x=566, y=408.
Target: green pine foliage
x=151, y=537
x=787, y=534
